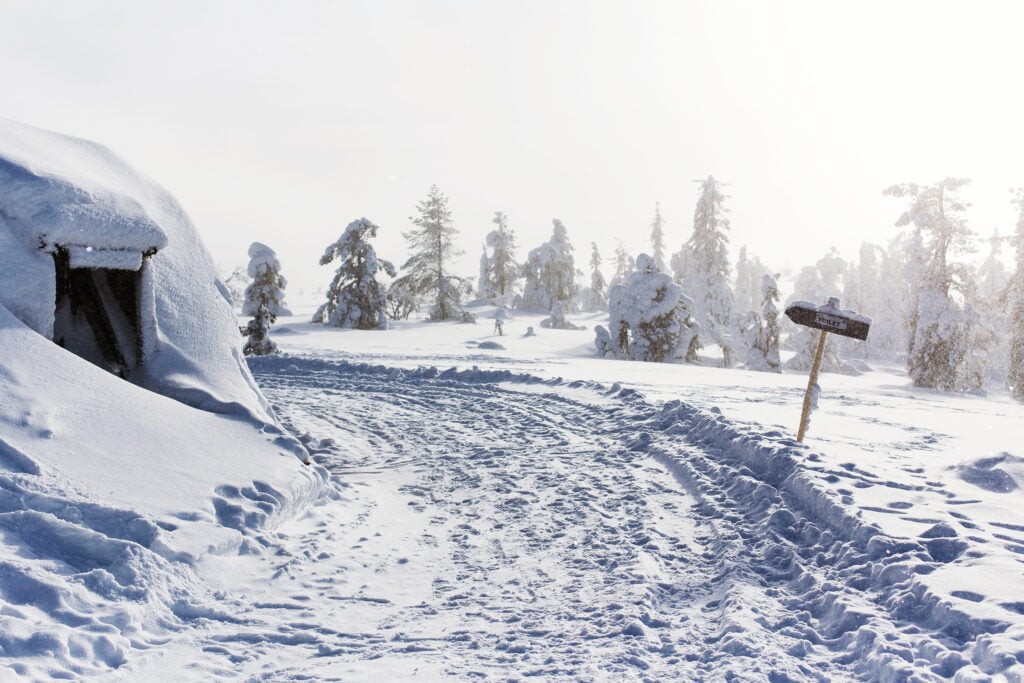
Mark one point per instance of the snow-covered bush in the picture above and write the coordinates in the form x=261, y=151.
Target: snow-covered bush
x=267, y=285
x=401, y=301
x=550, y=273
x=557, y=321
x=356, y=299
x=649, y=318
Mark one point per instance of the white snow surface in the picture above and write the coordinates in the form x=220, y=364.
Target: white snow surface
x=501, y=512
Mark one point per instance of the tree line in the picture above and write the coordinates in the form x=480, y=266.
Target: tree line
x=956, y=327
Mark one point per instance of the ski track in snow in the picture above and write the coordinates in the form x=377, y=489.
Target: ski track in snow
x=493, y=525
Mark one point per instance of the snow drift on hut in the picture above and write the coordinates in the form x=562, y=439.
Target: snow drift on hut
x=103, y=261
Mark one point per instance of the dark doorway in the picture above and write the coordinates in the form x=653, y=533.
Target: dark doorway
x=97, y=314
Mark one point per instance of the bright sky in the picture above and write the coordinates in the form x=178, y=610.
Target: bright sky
x=282, y=122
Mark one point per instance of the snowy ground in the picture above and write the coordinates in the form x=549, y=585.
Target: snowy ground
x=532, y=511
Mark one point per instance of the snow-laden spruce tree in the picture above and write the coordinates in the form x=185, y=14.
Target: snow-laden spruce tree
x=658, y=238
x=550, y=274
x=267, y=286
x=624, y=264
x=356, y=299
x=483, y=284
x=939, y=352
x=433, y=248
x=763, y=342
x=1015, y=372
x=257, y=330
x=864, y=290
x=750, y=274
x=994, y=312
x=499, y=271
x=595, y=297
x=705, y=271
x=649, y=317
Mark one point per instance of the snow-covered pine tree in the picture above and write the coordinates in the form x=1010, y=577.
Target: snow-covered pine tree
x=502, y=271
x=433, y=248
x=1015, y=372
x=595, y=298
x=891, y=311
x=992, y=276
x=237, y=282
x=624, y=264
x=550, y=274
x=483, y=280
x=750, y=274
x=257, y=330
x=861, y=284
x=648, y=317
x=709, y=275
x=939, y=356
x=356, y=299
x=267, y=286
x=658, y=239
x=682, y=264
x=990, y=342
x=763, y=347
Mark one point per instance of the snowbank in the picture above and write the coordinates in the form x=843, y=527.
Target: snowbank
x=110, y=497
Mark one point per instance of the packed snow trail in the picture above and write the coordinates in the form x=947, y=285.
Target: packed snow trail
x=496, y=525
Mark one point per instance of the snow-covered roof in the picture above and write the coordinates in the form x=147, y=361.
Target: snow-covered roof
x=59, y=190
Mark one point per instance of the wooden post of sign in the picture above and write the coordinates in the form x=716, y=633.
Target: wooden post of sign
x=810, y=386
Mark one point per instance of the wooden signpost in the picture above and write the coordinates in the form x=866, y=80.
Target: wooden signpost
x=827, y=318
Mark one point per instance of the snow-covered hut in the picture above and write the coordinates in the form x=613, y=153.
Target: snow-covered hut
x=104, y=262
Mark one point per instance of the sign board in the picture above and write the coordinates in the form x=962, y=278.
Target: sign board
x=828, y=319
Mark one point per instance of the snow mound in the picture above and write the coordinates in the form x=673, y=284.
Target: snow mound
x=114, y=493
x=66, y=193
